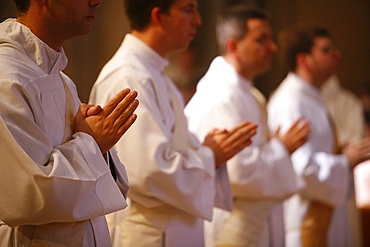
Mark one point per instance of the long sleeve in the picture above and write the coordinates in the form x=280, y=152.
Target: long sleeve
x=55, y=186
x=326, y=174
x=161, y=168
x=261, y=171
x=58, y=191
x=56, y=182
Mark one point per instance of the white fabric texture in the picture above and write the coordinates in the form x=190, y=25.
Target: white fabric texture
x=166, y=164
x=260, y=175
x=362, y=184
x=347, y=112
x=327, y=176
x=55, y=188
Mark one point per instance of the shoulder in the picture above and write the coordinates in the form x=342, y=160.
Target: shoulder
x=16, y=66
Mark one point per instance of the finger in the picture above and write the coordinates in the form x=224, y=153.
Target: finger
x=113, y=102
x=122, y=118
x=243, y=145
x=234, y=149
x=126, y=125
x=365, y=145
x=299, y=139
x=251, y=130
x=277, y=131
x=240, y=134
x=239, y=128
x=93, y=110
x=83, y=108
x=244, y=128
x=302, y=129
x=125, y=107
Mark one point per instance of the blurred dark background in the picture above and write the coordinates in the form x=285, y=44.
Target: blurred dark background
x=348, y=21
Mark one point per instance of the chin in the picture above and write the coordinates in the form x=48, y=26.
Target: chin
x=86, y=30
x=182, y=48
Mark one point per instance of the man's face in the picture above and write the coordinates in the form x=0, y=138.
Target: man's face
x=180, y=24
x=324, y=58
x=256, y=49
x=72, y=18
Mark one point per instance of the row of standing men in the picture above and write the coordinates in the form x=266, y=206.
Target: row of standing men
x=175, y=162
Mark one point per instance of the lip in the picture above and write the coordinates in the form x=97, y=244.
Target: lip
x=192, y=35
x=91, y=18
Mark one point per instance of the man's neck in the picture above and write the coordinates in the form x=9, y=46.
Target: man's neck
x=243, y=72
x=36, y=27
x=315, y=81
x=152, y=40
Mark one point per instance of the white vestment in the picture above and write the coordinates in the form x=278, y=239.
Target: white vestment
x=362, y=185
x=347, y=113
x=261, y=175
x=172, y=176
x=345, y=109
x=55, y=187
x=328, y=176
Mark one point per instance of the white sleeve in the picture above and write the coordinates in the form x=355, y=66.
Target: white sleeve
x=41, y=180
x=60, y=191
x=326, y=175
x=261, y=171
x=159, y=171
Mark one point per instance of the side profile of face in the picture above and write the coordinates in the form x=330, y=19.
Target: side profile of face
x=255, y=51
x=323, y=61
x=71, y=18
x=180, y=24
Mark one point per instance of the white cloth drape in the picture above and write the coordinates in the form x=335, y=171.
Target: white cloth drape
x=261, y=175
x=55, y=188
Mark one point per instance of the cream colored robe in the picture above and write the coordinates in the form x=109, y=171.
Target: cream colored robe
x=347, y=113
x=172, y=177
x=261, y=175
x=55, y=187
x=328, y=176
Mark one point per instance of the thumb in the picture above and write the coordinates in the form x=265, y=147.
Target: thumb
x=277, y=131
x=93, y=110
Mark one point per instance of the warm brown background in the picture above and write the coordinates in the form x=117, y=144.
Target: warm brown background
x=348, y=20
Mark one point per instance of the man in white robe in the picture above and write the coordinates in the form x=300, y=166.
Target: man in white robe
x=346, y=110
x=262, y=174
x=326, y=168
x=56, y=184
x=172, y=176
x=347, y=113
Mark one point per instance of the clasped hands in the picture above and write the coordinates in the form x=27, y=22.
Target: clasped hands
x=295, y=136
x=226, y=143
x=108, y=124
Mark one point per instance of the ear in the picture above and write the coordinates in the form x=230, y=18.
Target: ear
x=231, y=46
x=302, y=59
x=156, y=16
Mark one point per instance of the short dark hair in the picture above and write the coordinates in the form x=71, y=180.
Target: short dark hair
x=22, y=5
x=299, y=39
x=138, y=11
x=232, y=22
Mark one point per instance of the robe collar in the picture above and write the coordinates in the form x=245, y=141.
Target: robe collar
x=22, y=38
x=229, y=75
x=145, y=53
x=297, y=83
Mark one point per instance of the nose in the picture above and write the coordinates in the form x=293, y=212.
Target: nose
x=273, y=46
x=197, y=18
x=337, y=53
x=95, y=3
